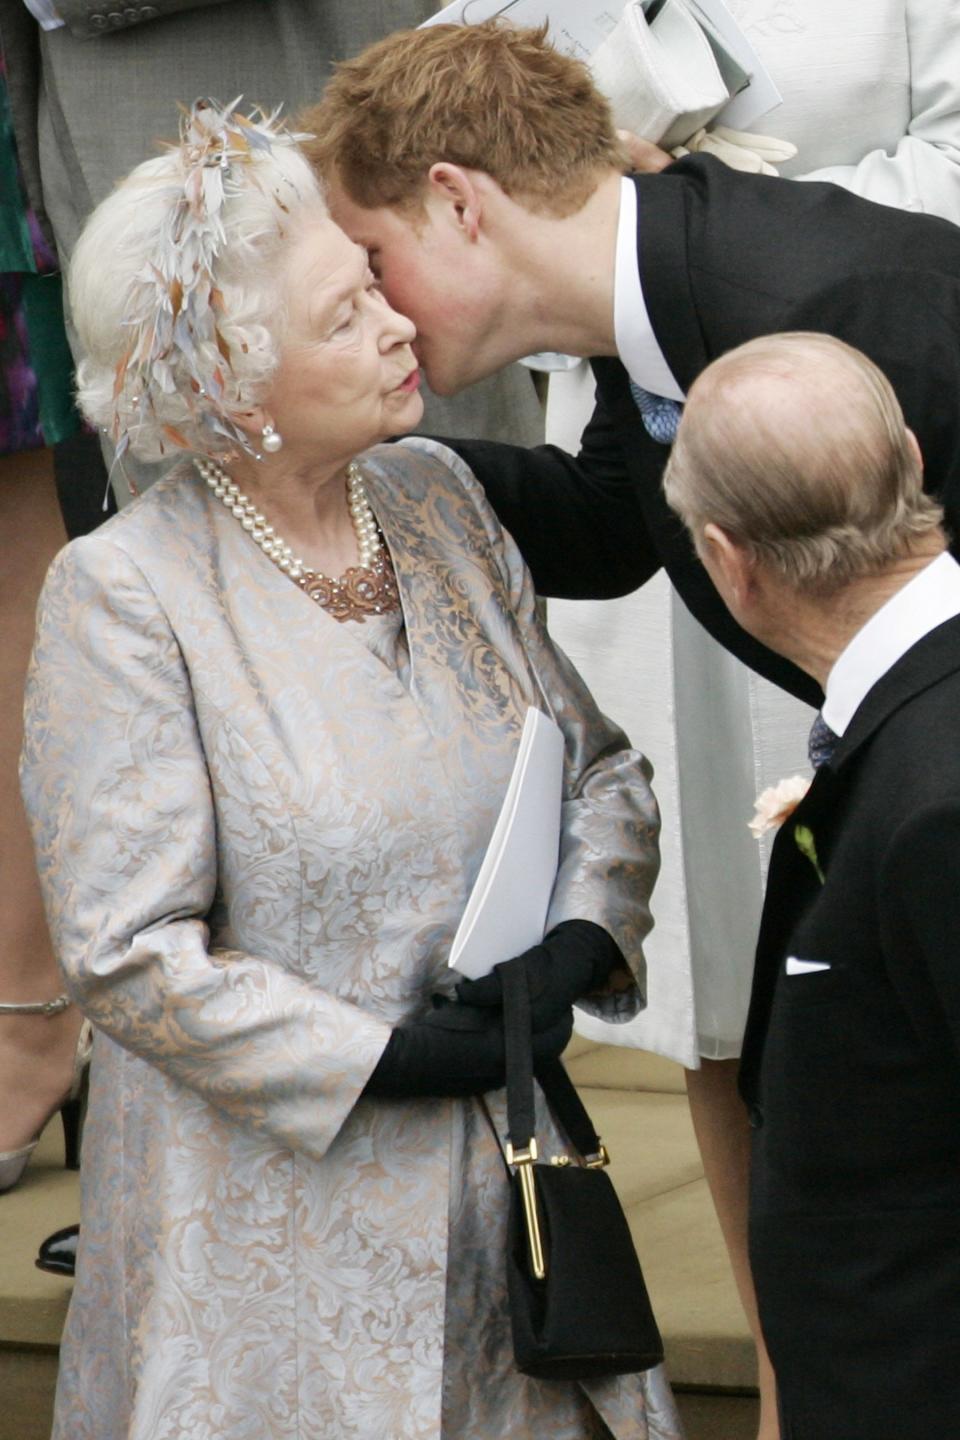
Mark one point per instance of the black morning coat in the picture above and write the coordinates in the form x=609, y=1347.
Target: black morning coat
x=852, y=1074
x=725, y=257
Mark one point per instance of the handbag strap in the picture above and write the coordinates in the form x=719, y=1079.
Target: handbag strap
x=570, y=1110
x=521, y=1115
x=556, y=1084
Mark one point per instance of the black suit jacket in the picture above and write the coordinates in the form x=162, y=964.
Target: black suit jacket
x=725, y=257
x=852, y=1074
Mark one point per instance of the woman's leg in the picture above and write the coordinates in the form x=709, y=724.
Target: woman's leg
x=723, y=1134
x=36, y=1052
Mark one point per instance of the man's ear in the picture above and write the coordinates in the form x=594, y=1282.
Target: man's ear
x=459, y=189
x=730, y=562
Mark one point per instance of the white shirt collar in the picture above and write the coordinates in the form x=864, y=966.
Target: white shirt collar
x=925, y=602
x=637, y=345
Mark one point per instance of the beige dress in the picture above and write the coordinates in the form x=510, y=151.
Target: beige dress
x=256, y=831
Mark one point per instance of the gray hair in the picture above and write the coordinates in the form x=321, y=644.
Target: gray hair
x=120, y=279
x=795, y=445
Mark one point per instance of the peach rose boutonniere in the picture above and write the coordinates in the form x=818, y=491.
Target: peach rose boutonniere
x=776, y=804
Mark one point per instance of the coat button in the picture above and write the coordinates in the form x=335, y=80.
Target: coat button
x=97, y=22
x=755, y=1116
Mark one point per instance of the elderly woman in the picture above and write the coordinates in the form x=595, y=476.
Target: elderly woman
x=272, y=714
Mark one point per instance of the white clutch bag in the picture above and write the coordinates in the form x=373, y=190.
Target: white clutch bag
x=664, y=79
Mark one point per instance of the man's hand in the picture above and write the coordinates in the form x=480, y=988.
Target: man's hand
x=644, y=157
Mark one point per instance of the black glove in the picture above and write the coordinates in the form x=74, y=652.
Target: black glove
x=573, y=960
x=454, y=1050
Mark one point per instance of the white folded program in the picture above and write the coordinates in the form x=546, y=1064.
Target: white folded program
x=662, y=79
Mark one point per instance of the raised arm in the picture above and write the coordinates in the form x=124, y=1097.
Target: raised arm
x=578, y=520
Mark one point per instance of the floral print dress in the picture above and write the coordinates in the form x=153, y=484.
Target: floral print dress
x=36, y=407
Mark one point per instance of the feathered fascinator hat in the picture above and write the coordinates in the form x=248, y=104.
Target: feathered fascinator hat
x=175, y=309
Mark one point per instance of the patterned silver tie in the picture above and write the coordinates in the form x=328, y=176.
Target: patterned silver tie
x=822, y=742
x=660, y=416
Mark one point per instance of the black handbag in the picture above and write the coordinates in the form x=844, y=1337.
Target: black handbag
x=578, y=1301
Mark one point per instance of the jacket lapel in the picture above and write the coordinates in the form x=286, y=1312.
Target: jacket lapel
x=792, y=884
x=662, y=241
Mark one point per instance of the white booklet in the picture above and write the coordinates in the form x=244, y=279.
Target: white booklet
x=578, y=27
x=508, y=905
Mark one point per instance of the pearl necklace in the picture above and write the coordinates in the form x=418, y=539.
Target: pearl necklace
x=364, y=589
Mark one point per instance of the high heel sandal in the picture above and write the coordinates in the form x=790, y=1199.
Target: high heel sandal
x=72, y=1108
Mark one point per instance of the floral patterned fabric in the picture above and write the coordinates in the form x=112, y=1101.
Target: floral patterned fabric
x=36, y=407
x=256, y=830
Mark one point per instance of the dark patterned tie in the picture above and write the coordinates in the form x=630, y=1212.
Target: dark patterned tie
x=822, y=742
x=660, y=416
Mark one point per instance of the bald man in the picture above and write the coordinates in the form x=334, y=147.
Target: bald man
x=822, y=544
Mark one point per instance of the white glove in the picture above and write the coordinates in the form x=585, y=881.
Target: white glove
x=741, y=150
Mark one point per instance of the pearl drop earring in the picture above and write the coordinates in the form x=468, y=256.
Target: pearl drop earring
x=270, y=440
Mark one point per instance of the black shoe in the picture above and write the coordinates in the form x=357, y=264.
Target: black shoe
x=58, y=1253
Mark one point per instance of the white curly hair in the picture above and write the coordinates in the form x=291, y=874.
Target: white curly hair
x=175, y=284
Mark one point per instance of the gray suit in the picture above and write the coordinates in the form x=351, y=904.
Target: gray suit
x=90, y=101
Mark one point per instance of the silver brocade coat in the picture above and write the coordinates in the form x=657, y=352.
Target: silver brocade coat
x=255, y=843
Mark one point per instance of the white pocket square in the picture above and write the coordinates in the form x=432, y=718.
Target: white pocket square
x=805, y=967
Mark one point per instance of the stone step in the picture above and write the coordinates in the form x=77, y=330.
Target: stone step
x=27, y=1381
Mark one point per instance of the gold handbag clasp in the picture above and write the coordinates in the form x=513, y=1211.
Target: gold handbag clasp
x=524, y=1161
